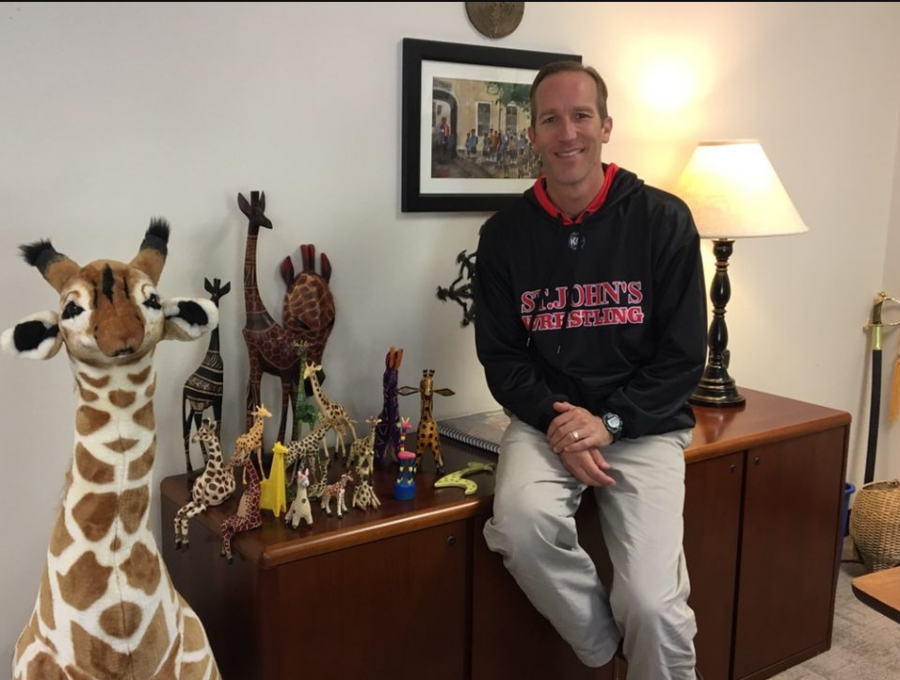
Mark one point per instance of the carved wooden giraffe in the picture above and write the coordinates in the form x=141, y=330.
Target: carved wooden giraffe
x=270, y=346
x=337, y=491
x=387, y=436
x=300, y=507
x=203, y=389
x=106, y=607
x=247, y=516
x=427, y=438
x=213, y=487
x=332, y=411
x=306, y=453
x=309, y=307
x=252, y=440
x=363, y=454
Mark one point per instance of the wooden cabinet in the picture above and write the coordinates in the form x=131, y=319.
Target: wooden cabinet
x=412, y=591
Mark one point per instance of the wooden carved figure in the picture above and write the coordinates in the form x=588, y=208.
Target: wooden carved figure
x=427, y=438
x=106, y=607
x=252, y=440
x=300, y=507
x=273, y=489
x=203, y=389
x=304, y=412
x=213, y=487
x=306, y=453
x=271, y=347
x=387, y=436
x=247, y=516
x=332, y=411
x=362, y=455
x=309, y=309
x=337, y=491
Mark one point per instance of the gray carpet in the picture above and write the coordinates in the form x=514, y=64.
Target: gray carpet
x=865, y=644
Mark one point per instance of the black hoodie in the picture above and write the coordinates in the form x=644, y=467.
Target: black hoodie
x=607, y=312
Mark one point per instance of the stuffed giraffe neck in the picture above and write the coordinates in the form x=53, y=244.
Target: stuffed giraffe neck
x=106, y=607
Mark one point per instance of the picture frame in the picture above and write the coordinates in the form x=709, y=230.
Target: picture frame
x=451, y=93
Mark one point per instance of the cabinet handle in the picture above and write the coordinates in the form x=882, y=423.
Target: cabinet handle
x=451, y=540
x=757, y=460
x=733, y=468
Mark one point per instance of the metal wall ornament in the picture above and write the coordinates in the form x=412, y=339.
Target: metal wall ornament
x=495, y=19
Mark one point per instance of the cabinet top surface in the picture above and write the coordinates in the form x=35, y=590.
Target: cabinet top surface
x=764, y=419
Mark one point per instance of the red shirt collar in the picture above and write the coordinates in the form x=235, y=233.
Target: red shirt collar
x=540, y=192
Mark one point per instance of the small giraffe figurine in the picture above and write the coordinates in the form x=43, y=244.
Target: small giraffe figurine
x=361, y=448
x=203, y=389
x=106, y=607
x=304, y=412
x=338, y=491
x=247, y=516
x=252, y=440
x=300, y=507
x=427, y=437
x=211, y=488
x=387, y=436
x=332, y=411
x=362, y=454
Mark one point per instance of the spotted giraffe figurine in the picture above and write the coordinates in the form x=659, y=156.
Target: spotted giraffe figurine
x=252, y=440
x=306, y=452
x=247, y=516
x=363, y=455
x=300, y=507
x=332, y=411
x=427, y=437
x=106, y=607
x=213, y=487
x=338, y=491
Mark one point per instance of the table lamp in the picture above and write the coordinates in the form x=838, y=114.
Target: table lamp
x=733, y=192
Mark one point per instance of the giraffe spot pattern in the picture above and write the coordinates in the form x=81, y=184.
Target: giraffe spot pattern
x=195, y=670
x=167, y=672
x=97, y=658
x=61, y=538
x=44, y=667
x=88, y=420
x=94, y=382
x=122, y=398
x=90, y=468
x=121, y=620
x=142, y=569
x=151, y=390
x=115, y=545
x=85, y=583
x=46, y=600
x=86, y=394
x=151, y=651
x=121, y=445
x=133, y=505
x=75, y=674
x=139, y=378
x=140, y=467
x=94, y=514
x=144, y=416
x=194, y=637
x=26, y=638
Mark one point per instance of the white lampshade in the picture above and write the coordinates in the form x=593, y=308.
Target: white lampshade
x=734, y=192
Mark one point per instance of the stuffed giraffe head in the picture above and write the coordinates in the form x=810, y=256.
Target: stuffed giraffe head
x=109, y=312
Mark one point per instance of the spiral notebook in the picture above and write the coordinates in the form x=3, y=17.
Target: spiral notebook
x=482, y=430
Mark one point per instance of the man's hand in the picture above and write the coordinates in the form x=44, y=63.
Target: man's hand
x=577, y=436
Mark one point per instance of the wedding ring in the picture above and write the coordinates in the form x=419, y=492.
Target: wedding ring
x=575, y=435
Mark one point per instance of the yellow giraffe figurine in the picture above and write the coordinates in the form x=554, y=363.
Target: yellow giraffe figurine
x=272, y=494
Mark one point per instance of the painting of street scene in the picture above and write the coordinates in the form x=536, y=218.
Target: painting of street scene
x=479, y=130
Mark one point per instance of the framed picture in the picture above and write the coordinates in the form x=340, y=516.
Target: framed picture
x=466, y=111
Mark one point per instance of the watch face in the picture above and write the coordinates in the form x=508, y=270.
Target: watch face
x=613, y=422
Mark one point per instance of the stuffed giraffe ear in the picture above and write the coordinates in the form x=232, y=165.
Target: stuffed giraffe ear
x=152, y=257
x=189, y=318
x=34, y=337
x=55, y=267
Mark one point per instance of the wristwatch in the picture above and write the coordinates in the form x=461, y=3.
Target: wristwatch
x=613, y=424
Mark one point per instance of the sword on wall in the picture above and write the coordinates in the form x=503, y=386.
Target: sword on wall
x=875, y=327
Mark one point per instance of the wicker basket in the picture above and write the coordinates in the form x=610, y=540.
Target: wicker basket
x=875, y=524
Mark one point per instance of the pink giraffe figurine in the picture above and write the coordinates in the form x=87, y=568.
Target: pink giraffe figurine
x=247, y=516
x=211, y=488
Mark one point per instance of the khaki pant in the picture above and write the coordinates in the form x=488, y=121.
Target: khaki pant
x=533, y=528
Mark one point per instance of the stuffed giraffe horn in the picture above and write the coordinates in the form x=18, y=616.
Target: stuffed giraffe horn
x=152, y=257
x=55, y=267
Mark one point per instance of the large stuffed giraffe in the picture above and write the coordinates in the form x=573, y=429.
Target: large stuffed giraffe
x=271, y=347
x=106, y=607
x=204, y=388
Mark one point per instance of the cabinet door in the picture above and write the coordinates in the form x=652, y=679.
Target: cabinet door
x=788, y=570
x=510, y=639
x=712, y=511
x=394, y=608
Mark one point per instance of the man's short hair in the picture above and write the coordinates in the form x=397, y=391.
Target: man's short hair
x=572, y=67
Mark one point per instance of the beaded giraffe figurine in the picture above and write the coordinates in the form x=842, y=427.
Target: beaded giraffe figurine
x=106, y=607
x=213, y=487
x=427, y=437
x=387, y=436
x=300, y=507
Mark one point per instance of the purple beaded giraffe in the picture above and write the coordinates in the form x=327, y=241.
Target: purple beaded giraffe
x=387, y=436
x=271, y=347
x=247, y=516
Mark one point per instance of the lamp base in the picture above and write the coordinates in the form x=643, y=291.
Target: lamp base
x=716, y=390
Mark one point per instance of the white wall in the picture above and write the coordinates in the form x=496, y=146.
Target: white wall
x=113, y=114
